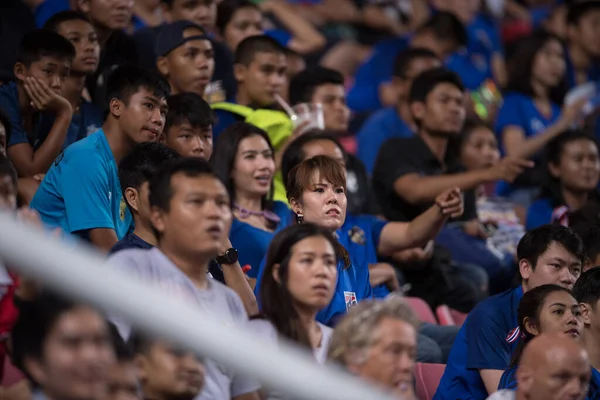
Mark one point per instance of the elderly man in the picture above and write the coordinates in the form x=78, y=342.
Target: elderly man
x=377, y=341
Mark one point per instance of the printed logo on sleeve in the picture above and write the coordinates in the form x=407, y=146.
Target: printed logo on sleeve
x=513, y=335
x=350, y=298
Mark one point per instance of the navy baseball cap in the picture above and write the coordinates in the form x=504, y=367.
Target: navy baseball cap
x=172, y=35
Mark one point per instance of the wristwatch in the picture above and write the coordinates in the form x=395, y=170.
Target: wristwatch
x=230, y=257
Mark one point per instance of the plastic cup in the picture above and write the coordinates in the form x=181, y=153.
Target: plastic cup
x=309, y=116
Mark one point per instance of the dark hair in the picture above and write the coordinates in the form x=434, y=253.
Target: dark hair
x=428, y=80
x=587, y=287
x=300, y=177
x=191, y=108
x=589, y=232
x=589, y=213
x=537, y=241
x=530, y=307
x=405, y=58
x=294, y=153
x=43, y=43
x=36, y=320
x=577, y=10
x=139, y=342
x=276, y=300
x=127, y=80
x=161, y=191
x=57, y=19
x=5, y=121
x=520, y=66
x=7, y=169
x=456, y=143
x=246, y=50
x=303, y=84
x=551, y=188
x=121, y=347
x=226, y=9
x=142, y=163
x=225, y=152
x=446, y=26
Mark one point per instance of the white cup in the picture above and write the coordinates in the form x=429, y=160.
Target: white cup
x=309, y=113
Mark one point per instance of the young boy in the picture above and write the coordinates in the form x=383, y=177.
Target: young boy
x=185, y=57
x=39, y=115
x=81, y=191
x=166, y=372
x=76, y=28
x=135, y=171
x=188, y=129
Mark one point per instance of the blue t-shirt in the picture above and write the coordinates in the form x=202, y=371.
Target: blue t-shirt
x=252, y=242
x=223, y=120
x=81, y=190
x=381, y=126
x=47, y=9
x=486, y=340
x=378, y=69
x=539, y=213
x=281, y=36
x=593, y=74
x=130, y=241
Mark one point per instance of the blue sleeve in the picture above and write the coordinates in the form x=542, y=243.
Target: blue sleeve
x=509, y=115
x=249, y=252
x=10, y=106
x=282, y=37
x=368, y=145
x=495, y=38
x=486, y=343
x=538, y=214
x=381, y=291
x=261, y=270
x=47, y=9
x=84, y=186
x=508, y=379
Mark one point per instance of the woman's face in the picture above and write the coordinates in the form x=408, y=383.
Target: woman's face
x=480, y=150
x=560, y=313
x=253, y=168
x=312, y=273
x=245, y=22
x=322, y=203
x=579, y=168
x=549, y=64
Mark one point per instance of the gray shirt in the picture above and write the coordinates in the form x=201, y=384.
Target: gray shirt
x=155, y=268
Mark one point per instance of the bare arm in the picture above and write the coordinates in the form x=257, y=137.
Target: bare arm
x=330, y=11
x=103, y=238
x=499, y=69
x=237, y=281
x=491, y=379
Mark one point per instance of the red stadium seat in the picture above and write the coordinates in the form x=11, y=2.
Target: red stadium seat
x=458, y=317
x=11, y=374
x=427, y=377
x=422, y=309
x=444, y=315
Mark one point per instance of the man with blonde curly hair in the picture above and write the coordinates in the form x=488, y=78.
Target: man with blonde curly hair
x=377, y=341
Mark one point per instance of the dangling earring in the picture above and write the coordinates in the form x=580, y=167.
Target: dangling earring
x=299, y=218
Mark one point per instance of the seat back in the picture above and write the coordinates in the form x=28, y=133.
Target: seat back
x=444, y=315
x=422, y=310
x=428, y=378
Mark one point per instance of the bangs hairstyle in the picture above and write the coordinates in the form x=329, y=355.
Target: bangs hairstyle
x=189, y=108
x=127, y=80
x=226, y=9
x=43, y=43
x=64, y=16
x=301, y=176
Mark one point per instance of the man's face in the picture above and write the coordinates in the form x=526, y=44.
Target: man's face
x=189, y=141
x=335, y=111
x=201, y=12
x=245, y=22
x=122, y=382
x=167, y=372
x=8, y=193
x=77, y=357
x=555, y=266
x=51, y=70
x=142, y=118
x=108, y=14
x=263, y=78
x=199, y=216
x=391, y=357
x=190, y=67
x=443, y=112
x=586, y=33
x=83, y=37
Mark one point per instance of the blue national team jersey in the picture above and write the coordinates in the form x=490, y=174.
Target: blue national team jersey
x=81, y=190
x=381, y=126
x=486, y=340
x=539, y=213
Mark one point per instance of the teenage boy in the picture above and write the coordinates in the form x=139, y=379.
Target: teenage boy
x=81, y=191
x=189, y=126
x=165, y=371
x=395, y=121
x=550, y=254
x=583, y=49
x=39, y=115
x=185, y=57
x=76, y=28
x=189, y=237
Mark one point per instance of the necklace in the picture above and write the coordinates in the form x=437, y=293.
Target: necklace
x=245, y=213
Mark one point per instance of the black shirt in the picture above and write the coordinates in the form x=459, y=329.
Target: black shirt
x=15, y=21
x=402, y=156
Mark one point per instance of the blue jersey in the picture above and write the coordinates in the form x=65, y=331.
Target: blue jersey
x=381, y=126
x=486, y=340
x=539, y=213
x=47, y=9
x=593, y=74
x=130, y=241
x=252, y=242
x=81, y=190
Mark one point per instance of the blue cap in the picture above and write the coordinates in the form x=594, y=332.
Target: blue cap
x=171, y=36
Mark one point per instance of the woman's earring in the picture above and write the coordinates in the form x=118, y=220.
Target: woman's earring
x=299, y=218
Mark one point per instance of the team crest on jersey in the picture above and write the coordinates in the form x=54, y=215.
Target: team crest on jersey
x=350, y=298
x=357, y=235
x=122, y=209
x=513, y=335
